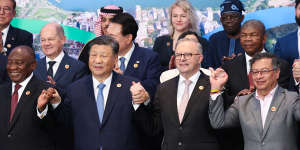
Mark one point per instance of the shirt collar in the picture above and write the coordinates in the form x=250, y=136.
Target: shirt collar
x=271, y=93
x=56, y=59
x=128, y=54
x=298, y=30
x=107, y=81
x=193, y=78
x=25, y=82
x=5, y=30
x=249, y=57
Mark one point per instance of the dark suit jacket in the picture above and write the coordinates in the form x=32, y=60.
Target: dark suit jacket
x=69, y=70
x=3, y=72
x=163, y=45
x=287, y=47
x=144, y=65
x=25, y=131
x=16, y=37
x=219, y=47
x=195, y=131
x=117, y=131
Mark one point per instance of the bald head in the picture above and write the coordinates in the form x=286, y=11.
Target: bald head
x=21, y=63
x=52, y=40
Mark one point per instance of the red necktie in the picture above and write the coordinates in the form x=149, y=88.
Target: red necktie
x=250, y=78
x=14, y=101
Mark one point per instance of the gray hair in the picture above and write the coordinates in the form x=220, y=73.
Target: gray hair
x=199, y=46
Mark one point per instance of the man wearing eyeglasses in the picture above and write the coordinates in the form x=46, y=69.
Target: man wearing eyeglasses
x=11, y=36
x=180, y=105
x=268, y=117
x=226, y=43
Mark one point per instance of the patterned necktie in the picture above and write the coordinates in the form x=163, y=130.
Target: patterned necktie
x=14, y=101
x=122, y=66
x=50, y=69
x=184, y=100
x=100, y=101
x=231, y=47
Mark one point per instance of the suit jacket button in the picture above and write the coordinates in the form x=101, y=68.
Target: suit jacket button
x=179, y=143
x=180, y=128
x=9, y=135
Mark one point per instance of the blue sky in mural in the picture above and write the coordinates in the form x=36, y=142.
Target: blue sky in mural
x=92, y=5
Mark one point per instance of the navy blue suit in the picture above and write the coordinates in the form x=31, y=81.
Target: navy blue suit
x=219, y=47
x=287, y=47
x=144, y=65
x=69, y=70
x=116, y=132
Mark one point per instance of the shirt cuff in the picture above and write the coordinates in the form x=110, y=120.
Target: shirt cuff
x=136, y=106
x=42, y=114
x=55, y=105
x=214, y=96
x=296, y=82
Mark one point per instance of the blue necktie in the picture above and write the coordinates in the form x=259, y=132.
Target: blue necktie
x=231, y=47
x=122, y=66
x=100, y=101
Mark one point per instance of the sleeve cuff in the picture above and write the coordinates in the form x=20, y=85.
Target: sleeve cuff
x=42, y=114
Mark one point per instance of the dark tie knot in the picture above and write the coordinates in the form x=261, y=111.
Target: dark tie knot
x=51, y=63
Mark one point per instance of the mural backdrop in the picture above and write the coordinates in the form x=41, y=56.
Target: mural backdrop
x=78, y=18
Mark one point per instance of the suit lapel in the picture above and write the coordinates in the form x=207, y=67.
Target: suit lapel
x=43, y=69
x=256, y=112
x=112, y=97
x=197, y=94
x=131, y=66
x=26, y=97
x=10, y=39
x=7, y=99
x=296, y=43
x=243, y=70
x=276, y=102
x=173, y=99
x=61, y=68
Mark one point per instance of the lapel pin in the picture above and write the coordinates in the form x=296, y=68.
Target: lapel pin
x=12, y=38
x=135, y=65
x=67, y=66
x=27, y=93
x=8, y=45
x=137, y=61
x=201, y=87
x=273, y=108
x=119, y=85
x=168, y=43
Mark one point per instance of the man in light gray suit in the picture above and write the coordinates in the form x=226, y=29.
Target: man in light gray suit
x=268, y=117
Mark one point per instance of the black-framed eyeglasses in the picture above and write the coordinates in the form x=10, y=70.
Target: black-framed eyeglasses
x=261, y=72
x=185, y=55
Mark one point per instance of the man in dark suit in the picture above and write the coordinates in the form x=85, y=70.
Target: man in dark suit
x=11, y=36
x=57, y=67
x=180, y=105
x=20, y=127
x=99, y=106
x=3, y=73
x=226, y=43
x=134, y=61
x=287, y=47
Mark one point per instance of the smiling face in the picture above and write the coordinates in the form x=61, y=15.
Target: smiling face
x=52, y=42
x=7, y=12
x=264, y=82
x=102, y=61
x=20, y=65
x=188, y=67
x=180, y=19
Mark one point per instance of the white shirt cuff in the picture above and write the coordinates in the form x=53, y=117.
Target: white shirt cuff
x=55, y=105
x=296, y=82
x=136, y=106
x=42, y=114
x=215, y=95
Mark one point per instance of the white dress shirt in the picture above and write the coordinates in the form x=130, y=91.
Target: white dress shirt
x=105, y=91
x=126, y=56
x=57, y=62
x=181, y=86
x=4, y=34
x=265, y=104
x=23, y=85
